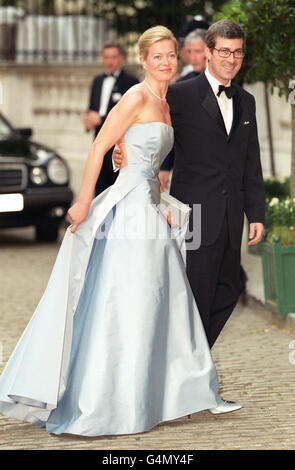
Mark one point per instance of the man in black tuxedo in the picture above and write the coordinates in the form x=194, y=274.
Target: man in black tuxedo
x=217, y=164
x=106, y=90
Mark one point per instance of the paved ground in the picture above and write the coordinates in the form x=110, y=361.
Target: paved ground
x=252, y=357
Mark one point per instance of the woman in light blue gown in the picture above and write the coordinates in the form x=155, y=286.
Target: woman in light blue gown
x=116, y=344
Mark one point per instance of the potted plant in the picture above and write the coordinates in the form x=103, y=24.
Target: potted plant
x=274, y=188
x=278, y=255
x=277, y=187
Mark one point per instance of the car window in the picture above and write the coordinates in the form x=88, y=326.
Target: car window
x=5, y=130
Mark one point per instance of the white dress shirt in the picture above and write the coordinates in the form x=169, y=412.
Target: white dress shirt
x=106, y=90
x=186, y=69
x=225, y=103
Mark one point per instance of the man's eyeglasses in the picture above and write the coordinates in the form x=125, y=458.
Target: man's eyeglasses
x=224, y=52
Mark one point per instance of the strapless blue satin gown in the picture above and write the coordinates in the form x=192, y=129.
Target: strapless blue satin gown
x=116, y=344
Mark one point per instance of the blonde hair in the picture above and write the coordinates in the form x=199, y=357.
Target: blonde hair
x=154, y=34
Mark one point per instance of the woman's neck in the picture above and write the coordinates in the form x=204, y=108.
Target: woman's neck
x=158, y=87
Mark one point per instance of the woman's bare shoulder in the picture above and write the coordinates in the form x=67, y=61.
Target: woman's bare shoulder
x=128, y=107
x=135, y=95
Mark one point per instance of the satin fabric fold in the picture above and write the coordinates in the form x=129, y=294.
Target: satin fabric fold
x=116, y=344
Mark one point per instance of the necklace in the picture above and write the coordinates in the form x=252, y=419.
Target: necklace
x=152, y=91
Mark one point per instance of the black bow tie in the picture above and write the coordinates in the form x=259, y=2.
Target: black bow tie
x=108, y=75
x=228, y=90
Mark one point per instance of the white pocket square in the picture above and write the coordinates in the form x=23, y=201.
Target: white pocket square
x=246, y=122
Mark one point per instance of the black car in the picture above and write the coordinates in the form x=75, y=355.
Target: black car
x=34, y=183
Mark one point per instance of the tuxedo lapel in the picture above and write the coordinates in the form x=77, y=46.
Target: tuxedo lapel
x=210, y=104
x=95, y=93
x=237, y=113
x=116, y=89
x=98, y=91
x=119, y=80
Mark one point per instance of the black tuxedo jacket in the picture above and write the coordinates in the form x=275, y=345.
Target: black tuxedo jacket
x=188, y=76
x=214, y=169
x=123, y=82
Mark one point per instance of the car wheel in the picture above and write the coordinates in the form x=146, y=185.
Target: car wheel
x=47, y=231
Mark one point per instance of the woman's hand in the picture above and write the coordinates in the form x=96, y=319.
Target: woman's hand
x=170, y=219
x=77, y=213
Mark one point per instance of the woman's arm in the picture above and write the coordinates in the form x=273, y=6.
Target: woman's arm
x=120, y=118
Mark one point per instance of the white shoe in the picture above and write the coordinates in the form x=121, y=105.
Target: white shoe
x=225, y=407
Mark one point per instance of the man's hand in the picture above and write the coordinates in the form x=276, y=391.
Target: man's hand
x=117, y=156
x=164, y=178
x=91, y=120
x=255, y=233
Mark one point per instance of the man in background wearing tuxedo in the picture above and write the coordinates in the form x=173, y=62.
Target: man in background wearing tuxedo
x=194, y=45
x=106, y=90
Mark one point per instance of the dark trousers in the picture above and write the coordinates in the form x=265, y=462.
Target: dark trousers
x=214, y=275
x=107, y=176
